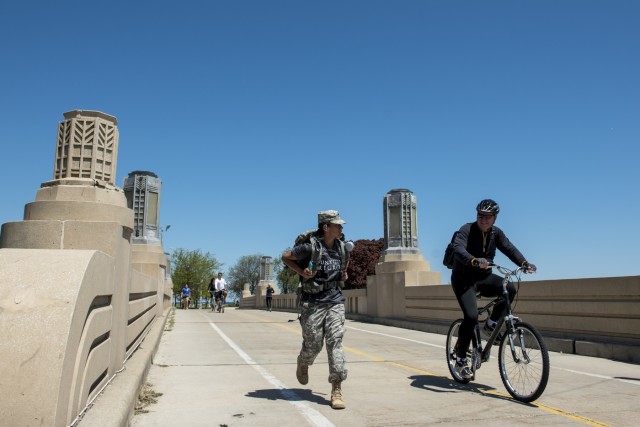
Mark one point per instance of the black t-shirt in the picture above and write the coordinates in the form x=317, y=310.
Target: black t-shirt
x=328, y=270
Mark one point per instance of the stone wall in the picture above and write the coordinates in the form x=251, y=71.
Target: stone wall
x=76, y=297
x=593, y=317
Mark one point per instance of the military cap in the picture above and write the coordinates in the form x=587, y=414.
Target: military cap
x=330, y=217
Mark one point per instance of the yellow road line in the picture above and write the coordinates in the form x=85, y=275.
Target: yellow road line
x=542, y=406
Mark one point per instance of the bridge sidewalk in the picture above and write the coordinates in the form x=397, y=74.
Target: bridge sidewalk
x=238, y=369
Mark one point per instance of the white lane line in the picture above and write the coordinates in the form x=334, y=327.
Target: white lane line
x=314, y=417
x=396, y=337
x=634, y=382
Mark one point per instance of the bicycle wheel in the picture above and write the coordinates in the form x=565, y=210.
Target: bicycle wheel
x=451, y=348
x=526, y=371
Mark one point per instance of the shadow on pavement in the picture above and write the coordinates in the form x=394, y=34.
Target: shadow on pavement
x=447, y=385
x=295, y=394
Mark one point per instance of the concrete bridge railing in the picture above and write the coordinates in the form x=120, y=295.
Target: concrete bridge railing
x=593, y=317
x=77, y=296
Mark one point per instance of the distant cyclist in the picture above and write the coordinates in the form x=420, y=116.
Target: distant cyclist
x=221, y=289
x=475, y=247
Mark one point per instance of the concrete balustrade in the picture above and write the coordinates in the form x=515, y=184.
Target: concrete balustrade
x=76, y=296
x=55, y=339
x=593, y=317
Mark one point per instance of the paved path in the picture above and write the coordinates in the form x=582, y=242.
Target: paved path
x=238, y=369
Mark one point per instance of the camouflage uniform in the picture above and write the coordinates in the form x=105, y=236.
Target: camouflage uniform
x=323, y=263
x=323, y=322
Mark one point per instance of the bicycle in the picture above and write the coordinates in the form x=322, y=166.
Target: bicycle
x=220, y=297
x=523, y=359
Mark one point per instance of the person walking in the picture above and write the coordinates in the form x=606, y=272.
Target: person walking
x=186, y=294
x=212, y=291
x=322, y=313
x=270, y=291
x=475, y=248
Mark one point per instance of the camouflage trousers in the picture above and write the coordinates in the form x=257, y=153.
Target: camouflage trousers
x=323, y=322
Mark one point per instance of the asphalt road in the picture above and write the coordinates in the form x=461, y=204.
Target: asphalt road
x=238, y=369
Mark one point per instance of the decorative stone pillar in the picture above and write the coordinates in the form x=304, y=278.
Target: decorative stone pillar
x=142, y=189
x=400, y=222
x=266, y=278
x=266, y=268
x=246, y=292
x=401, y=263
x=79, y=218
x=87, y=147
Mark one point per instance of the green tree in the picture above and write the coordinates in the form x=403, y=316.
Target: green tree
x=286, y=279
x=195, y=268
x=246, y=270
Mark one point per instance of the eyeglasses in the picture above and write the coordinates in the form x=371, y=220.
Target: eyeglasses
x=481, y=215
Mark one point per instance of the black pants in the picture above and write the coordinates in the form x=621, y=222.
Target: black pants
x=269, y=302
x=491, y=286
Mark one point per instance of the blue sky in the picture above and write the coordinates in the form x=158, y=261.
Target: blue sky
x=258, y=114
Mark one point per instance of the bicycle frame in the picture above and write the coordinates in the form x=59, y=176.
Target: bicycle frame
x=523, y=359
x=506, y=317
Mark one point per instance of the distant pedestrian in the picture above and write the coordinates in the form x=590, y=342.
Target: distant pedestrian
x=186, y=297
x=212, y=292
x=269, y=296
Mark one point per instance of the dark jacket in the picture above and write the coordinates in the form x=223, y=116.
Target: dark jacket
x=472, y=243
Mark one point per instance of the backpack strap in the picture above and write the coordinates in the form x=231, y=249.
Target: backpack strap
x=343, y=256
x=316, y=253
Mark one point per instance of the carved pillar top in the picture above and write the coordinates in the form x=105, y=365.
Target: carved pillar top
x=400, y=222
x=266, y=268
x=86, y=148
x=143, y=190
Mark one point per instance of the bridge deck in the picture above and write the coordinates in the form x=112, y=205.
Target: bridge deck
x=238, y=369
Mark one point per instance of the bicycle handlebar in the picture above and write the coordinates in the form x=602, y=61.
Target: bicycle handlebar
x=508, y=272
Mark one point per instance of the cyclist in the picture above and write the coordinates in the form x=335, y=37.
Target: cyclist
x=220, y=285
x=475, y=247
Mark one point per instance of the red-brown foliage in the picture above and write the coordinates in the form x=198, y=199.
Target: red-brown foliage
x=364, y=257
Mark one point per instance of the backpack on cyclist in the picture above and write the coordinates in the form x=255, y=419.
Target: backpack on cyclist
x=312, y=262
x=449, y=255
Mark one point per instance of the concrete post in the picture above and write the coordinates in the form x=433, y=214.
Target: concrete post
x=401, y=263
x=143, y=192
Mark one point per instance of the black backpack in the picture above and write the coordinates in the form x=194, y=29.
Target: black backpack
x=449, y=256
x=309, y=236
